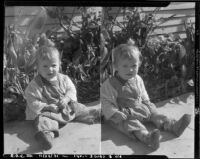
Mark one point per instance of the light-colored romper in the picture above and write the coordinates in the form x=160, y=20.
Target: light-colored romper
x=117, y=95
x=40, y=93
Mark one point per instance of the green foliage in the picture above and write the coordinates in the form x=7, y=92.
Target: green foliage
x=168, y=60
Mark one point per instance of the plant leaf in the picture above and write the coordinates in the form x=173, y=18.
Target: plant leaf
x=12, y=53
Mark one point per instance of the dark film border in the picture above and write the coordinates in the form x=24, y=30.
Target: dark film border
x=197, y=78
x=113, y=3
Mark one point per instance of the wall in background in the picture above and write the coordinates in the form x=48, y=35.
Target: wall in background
x=182, y=11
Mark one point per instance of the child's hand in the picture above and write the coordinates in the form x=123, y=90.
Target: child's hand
x=51, y=108
x=118, y=117
x=137, y=116
x=63, y=103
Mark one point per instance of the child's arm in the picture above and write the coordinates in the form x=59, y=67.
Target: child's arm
x=70, y=94
x=144, y=94
x=133, y=114
x=51, y=108
x=108, y=100
x=63, y=103
x=145, y=97
x=118, y=117
x=70, y=89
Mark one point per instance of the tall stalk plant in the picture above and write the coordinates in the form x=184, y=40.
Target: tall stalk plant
x=19, y=63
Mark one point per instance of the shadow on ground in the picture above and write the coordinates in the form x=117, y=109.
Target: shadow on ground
x=19, y=137
x=119, y=139
x=25, y=132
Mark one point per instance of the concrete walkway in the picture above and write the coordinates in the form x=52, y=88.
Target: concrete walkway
x=80, y=138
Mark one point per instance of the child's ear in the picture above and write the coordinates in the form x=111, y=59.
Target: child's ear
x=114, y=69
x=140, y=60
x=60, y=68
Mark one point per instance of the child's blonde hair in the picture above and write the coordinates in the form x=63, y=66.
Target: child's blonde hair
x=47, y=51
x=126, y=51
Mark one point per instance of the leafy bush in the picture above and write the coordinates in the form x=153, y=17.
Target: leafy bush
x=167, y=64
x=17, y=71
x=165, y=67
x=80, y=50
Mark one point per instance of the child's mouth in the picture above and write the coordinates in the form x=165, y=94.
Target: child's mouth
x=129, y=74
x=50, y=74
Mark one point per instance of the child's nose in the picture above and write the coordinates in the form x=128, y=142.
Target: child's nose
x=131, y=69
x=50, y=68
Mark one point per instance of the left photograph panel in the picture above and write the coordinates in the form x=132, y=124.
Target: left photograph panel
x=51, y=80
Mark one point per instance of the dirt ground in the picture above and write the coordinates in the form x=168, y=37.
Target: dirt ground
x=80, y=138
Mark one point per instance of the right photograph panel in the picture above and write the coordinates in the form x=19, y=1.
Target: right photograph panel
x=147, y=80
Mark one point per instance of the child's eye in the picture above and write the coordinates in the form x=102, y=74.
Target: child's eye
x=45, y=66
x=54, y=65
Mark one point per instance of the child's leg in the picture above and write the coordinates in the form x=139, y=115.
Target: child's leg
x=151, y=139
x=172, y=125
x=127, y=127
x=135, y=129
x=85, y=114
x=61, y=118
x=43, y=123
x=47, y=129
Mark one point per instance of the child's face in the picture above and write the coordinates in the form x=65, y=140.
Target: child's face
x=127, y=68
x=48, y=68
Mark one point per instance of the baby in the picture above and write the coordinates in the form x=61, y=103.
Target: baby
x=52, y=99
x=126, y=104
